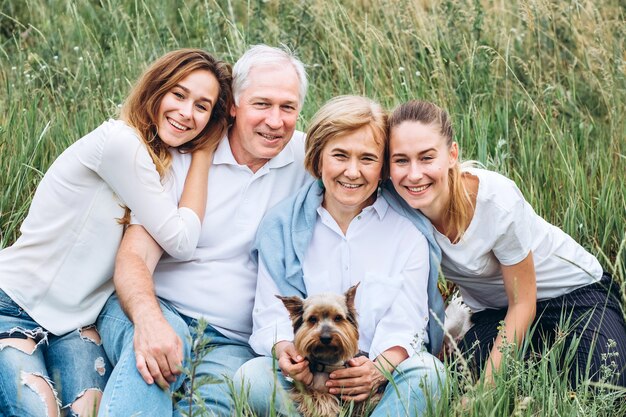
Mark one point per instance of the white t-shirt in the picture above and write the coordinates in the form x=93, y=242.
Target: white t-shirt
x=219, y=281
x=59, y=270
x=504, y=229
x=385, y=253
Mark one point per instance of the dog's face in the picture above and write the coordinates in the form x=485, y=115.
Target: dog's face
x=325, y=326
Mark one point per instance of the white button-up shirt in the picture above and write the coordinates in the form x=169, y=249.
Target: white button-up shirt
x=385, y=253
x=219, y=281
x=59, y=270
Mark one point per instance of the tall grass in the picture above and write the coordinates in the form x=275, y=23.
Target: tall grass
x=536, y=90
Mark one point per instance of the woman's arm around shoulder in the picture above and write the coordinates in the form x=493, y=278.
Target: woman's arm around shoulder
x=126, y=166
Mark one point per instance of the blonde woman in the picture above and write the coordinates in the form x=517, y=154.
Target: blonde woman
x=336, y=232
x=508, y=262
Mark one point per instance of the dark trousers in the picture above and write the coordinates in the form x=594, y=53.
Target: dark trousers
x=591, y=315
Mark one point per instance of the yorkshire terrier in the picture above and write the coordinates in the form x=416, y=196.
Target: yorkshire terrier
x=326, y=333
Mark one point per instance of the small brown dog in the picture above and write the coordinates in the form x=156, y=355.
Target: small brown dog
x=326, y=333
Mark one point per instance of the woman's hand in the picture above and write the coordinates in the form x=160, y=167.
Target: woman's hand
x=358, y=382
x=292, y=364
x=205, y=153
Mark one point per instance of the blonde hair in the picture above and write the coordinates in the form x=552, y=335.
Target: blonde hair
x=140, y=109
x=339, y=116
x=458, y=212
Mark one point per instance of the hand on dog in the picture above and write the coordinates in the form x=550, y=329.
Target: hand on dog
x=292, y=364
x=357, y=382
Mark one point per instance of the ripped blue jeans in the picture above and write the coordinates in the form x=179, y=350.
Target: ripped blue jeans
x=70, y=364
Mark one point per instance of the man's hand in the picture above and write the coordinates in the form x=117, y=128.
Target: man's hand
x=158, y=349
x=358, y=382
x=292, y=364
x=158, y=352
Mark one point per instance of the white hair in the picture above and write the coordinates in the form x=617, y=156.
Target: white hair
x=264, y=55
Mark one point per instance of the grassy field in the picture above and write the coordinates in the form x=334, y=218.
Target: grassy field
x=536, y=89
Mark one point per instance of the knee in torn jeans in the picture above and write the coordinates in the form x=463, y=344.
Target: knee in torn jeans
x=24, y=340
x=87, y=402
x=90, y=334
x=42, y=386
x=27, y=342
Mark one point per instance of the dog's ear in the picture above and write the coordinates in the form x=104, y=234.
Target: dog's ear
x=350, y=294
x=294, y=305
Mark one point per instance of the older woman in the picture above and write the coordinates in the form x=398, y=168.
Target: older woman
x=334, y=233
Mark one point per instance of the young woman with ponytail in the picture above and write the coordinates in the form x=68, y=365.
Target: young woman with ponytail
x=509, y=263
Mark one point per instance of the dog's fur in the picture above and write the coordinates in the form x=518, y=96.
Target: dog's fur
x=457, y=323
x=327, y=334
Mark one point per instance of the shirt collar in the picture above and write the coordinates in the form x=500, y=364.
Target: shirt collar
x=223, y=153
x=379, y=207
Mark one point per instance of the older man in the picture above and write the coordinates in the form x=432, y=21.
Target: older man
x=259, y=163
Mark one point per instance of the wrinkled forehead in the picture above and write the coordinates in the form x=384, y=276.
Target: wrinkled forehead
x=280, y=78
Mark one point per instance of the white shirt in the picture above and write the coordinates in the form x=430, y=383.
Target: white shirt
x=219, y=281
x=385, y=253
x=504, y=229
x=59, y=270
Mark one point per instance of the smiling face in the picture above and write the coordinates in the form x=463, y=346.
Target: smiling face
x=266, y=115
x=325, y=326
x=420, y=160
x=186, y=108
x=351, y=166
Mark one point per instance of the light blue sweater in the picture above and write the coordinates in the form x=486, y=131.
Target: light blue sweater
x=286, y=231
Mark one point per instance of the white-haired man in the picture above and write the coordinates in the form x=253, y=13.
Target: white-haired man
x=256, y=165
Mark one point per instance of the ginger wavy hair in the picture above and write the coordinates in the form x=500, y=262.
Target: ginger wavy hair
x=140, y=109
x=458, y=212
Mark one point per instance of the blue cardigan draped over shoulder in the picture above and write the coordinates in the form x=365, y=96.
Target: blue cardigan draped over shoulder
x=286, y=231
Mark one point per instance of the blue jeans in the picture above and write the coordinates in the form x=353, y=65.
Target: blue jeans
x=220, y=363
x=593, y=317
x=71, y=364
x=416, y=386
x=126, y=392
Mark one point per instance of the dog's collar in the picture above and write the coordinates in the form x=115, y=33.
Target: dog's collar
x=323, y=367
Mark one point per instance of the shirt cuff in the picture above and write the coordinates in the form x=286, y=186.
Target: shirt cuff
x=263, y=340
x=412, y=345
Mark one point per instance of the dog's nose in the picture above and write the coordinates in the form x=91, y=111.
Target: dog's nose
x=326, y=335
x=325, y=339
